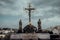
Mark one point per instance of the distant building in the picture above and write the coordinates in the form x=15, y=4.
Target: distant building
x=56, y=30
x=2, y=35
x=6, y=31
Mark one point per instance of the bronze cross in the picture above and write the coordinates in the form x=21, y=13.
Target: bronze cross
x=29, y=9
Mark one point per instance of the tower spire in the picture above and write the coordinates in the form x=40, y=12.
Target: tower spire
x=29, y=9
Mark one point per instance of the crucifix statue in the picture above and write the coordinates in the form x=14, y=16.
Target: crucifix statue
x=29, y=9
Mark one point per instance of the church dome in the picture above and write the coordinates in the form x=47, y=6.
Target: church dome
x=29, y=29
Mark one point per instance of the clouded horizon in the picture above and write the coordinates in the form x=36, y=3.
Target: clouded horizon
x=11, y=11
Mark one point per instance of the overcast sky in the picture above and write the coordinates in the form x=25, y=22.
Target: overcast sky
x=11, y=11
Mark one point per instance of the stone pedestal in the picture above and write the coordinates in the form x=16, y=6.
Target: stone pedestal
x=30, y=37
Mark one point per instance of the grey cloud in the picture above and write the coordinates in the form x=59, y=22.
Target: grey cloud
x=50, y=8
x=47, y=13
x=7, y=1
x=44, y=3
x=8, y=4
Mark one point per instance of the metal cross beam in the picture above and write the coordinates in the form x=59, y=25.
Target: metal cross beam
x=29, y=9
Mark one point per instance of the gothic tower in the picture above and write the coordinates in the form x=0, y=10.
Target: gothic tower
x=20, y=27
x=39, y=25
